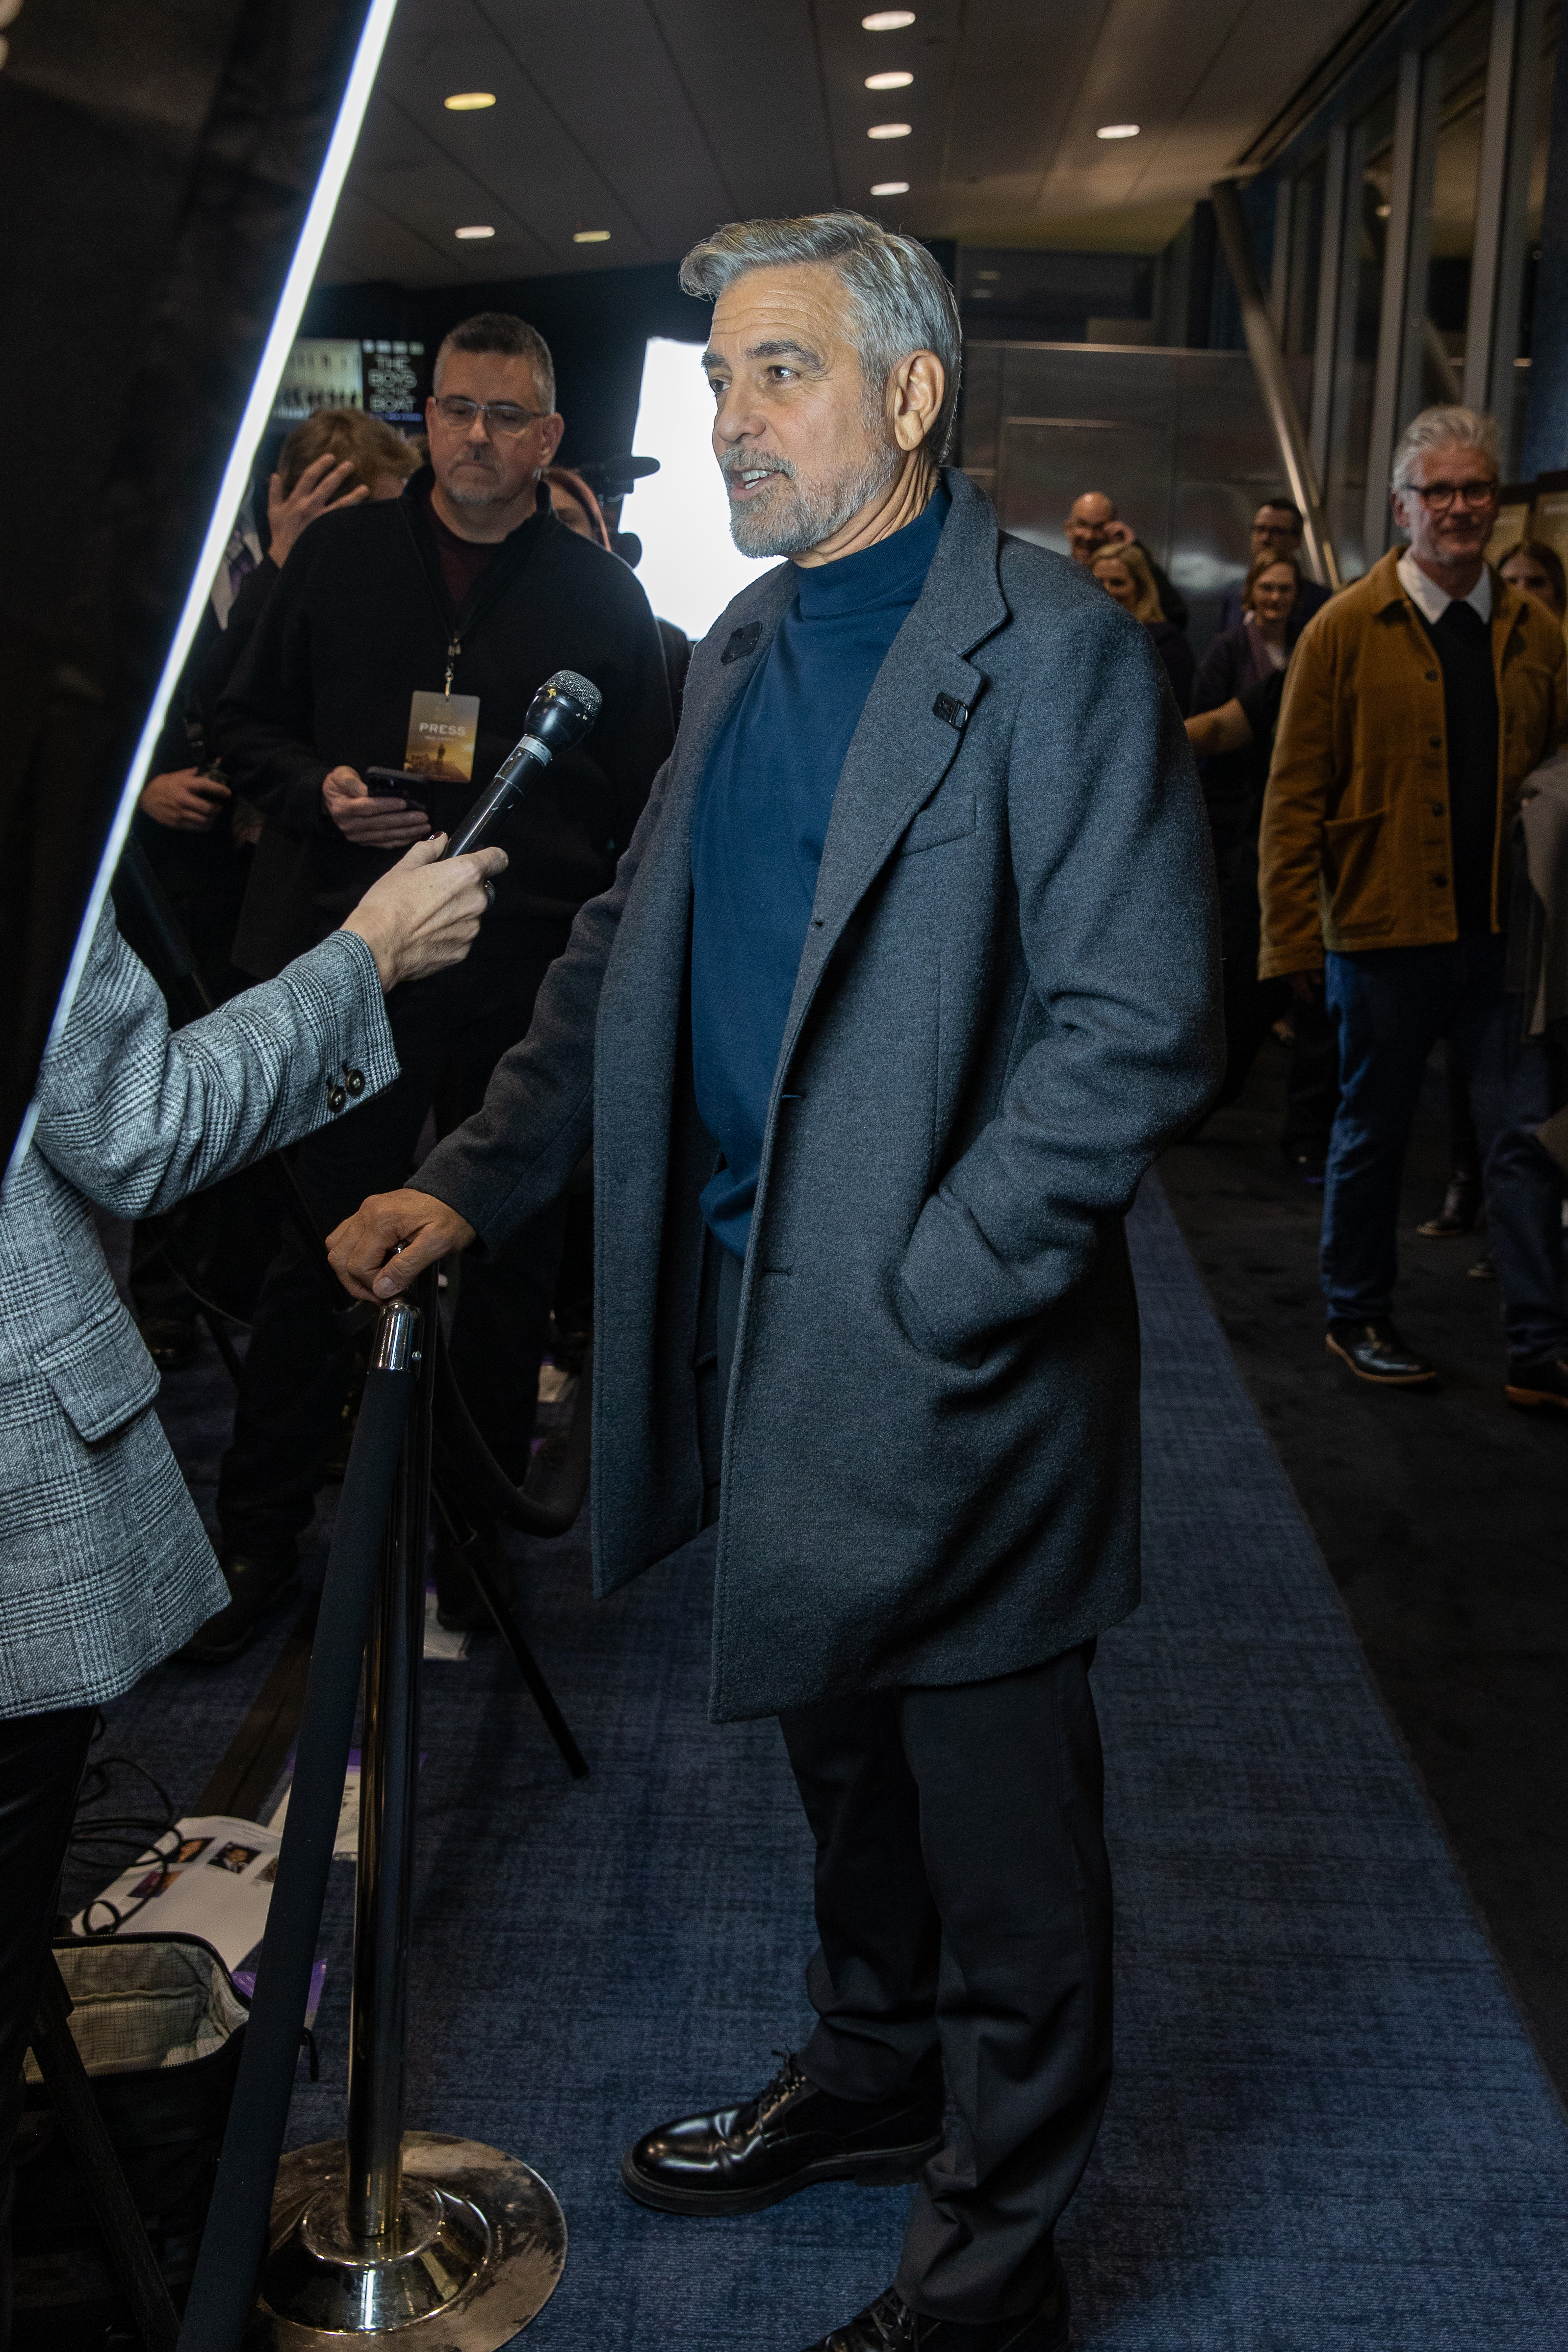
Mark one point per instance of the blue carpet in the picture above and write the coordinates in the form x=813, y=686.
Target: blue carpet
x=1328, y=2131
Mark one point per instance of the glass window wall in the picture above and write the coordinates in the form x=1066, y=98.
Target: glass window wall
x=1370, y=194
x=1460, y=91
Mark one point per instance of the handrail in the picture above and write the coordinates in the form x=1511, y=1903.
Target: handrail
x=1279, y=400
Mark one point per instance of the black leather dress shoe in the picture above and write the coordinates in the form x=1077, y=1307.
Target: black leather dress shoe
x=1538, y=1384
x=889, y=2326
x=257, y=1583
x=1375, y=1351
x=791, y=2136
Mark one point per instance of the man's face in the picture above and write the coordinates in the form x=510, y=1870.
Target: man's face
x=1450, y=505
x=476, y=463
x=1088, y=521
x=1275, y=533
x=803, y=442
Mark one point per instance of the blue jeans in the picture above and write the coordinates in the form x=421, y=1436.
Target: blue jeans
x=1392, y=1005
x=1524, y=1202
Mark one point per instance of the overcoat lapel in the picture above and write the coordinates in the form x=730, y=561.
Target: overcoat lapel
x=906, y=743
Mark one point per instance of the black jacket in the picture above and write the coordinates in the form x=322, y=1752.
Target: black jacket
x=358, y=620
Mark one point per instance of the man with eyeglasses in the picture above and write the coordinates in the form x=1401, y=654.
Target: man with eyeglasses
x=1277, y=531
x=411, y=636
x=1418, y=701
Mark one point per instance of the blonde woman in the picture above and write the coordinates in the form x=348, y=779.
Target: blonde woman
x=1123, y=573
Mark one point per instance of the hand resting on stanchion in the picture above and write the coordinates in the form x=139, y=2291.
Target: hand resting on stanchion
x=378, y=1252
x=425, y=913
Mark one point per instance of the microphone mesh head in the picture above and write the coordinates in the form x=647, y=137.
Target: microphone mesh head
x=574, y=687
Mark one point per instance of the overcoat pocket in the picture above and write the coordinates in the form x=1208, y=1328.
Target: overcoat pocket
x=949, y=818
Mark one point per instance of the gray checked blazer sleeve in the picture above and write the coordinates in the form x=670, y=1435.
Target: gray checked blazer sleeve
x=105, y=1567
x=137, y=1116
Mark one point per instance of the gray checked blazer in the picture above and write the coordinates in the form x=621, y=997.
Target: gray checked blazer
x=105, y=1567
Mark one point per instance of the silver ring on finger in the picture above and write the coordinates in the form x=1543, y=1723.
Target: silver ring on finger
x=489, y=894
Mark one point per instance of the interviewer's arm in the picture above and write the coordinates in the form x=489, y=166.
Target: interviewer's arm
x=137, y=1116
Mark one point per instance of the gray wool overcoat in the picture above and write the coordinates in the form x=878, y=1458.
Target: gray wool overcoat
x=1008, y=1000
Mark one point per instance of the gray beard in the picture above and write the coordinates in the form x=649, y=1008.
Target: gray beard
x=799, y=516
x=489, y=495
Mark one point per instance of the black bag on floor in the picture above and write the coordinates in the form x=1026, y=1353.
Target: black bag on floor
x=159, y=2024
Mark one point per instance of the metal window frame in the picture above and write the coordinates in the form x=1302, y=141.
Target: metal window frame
x=1502, y=204
x=1407, y=58
x=1404, y=278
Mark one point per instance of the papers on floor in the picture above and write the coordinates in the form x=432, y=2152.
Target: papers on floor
x=210, y=1876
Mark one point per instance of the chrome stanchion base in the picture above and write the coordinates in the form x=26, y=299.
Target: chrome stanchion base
x=482, y=2243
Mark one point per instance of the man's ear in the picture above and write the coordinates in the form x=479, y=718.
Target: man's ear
x=554, y=428
x=915, y=391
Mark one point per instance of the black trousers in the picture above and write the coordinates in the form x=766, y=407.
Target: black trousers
x=449, y=1032
x=963, y=1900
x=41, y=1760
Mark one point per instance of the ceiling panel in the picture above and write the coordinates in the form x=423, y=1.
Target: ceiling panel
x=657, y=119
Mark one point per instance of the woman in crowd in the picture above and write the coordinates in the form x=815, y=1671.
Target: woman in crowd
x=1255, y=649
x=1536, y=570
x=1123, y=573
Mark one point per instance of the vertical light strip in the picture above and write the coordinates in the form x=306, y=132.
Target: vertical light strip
x=237, y=473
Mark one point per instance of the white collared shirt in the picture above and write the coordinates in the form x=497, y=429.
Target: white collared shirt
x=1434, y=601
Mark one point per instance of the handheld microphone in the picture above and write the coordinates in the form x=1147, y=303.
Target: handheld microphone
x=559, y=715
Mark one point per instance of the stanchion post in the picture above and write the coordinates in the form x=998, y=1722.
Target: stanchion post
x=389, y=1770
x=388, y=2229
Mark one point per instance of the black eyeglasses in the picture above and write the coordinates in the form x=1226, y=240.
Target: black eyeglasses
x=1440, y=495
x=503, y=417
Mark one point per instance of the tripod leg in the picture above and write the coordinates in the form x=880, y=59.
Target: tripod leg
x=474, y=1548
x=66, y=2078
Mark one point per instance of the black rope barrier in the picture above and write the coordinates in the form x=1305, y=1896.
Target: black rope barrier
x=233, y=2245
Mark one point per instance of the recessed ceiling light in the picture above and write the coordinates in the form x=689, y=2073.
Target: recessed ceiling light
x=888, y=130
x=890, y=188
x=475, y=232
x=888, y=20
x=1118, y=130
x=982, y=293
x=987, y=273
x=888, y=81
x=590, y=237
x=468, y=101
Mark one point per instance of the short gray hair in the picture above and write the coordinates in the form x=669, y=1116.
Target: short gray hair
x=1444, y=428
x=512, y=338
x=902, y=299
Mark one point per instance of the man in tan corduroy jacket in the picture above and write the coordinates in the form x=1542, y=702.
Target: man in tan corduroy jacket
x=1417, y=703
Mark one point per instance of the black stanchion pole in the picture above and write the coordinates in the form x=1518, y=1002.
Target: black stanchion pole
x=222, y=2289
x=387, y=2229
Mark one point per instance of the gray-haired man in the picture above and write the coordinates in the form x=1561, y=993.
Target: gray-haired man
x=907, y=973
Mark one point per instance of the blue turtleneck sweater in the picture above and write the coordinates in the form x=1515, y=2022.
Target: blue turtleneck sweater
x=758, y=830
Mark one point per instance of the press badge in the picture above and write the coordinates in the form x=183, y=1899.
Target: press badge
x=443, y=733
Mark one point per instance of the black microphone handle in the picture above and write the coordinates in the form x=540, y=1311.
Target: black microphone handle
x=492, y=805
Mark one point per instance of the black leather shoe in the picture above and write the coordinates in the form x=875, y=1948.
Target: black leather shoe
x=1461, y=1207
x=258, y=1581
x=1543, y=1382
x=1375, y=1351
x=791, y=2135
x=889, y=2326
